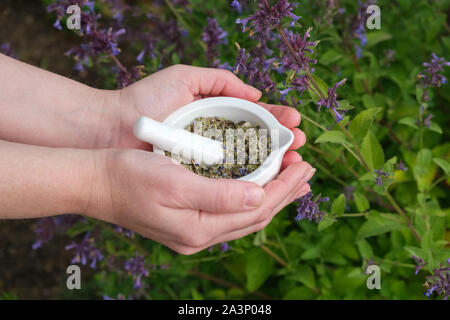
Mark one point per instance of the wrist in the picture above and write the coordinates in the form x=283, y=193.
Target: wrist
x=117, y=126
x=95, y=199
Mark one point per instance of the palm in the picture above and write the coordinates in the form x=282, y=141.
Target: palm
x=160, y=94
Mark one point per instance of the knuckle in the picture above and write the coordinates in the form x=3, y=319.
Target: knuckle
x=194, y=240
x=263, y=224
x=177, y=67
x=223, y=198
x=265, y=214
x=186, y=251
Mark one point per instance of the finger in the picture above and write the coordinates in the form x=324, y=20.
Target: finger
x=287, y=116
x=304, y=190
x=276, y=192
x=238, y=234
x=289, y=158
x=215, y=236
x=299, y=139
x=220, y=195
x=218, y=82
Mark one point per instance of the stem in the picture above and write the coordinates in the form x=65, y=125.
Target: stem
x=313, y=122
x=171, y=293
x=397, y=264
x=274, y=256
x=349, y=215
x=437, y=182
x=120, y=65
x=283, y=248
x=404, y=216
x=332, y=176
x=176, y=14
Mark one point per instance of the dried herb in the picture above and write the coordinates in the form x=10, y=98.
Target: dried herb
x=246, y=146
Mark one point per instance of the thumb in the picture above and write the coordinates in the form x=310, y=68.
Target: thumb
x=222, y=195
x=219, y=82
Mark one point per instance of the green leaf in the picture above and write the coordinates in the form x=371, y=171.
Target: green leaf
x=377, y=224
x=79, y=228
x=305, y=275
x=423, y=162
x=375, y=37
x=369, y=102
x=444, y=164
x=338, y=205
x=344, y=105
x=419, y=93
x=322, y=86
x=435, y=127
x=260, y=238
x=330, y=56
x=409, y=121
x=362, y=122
x=326, y=223
x=365, y=250
x=372, y=152
x=258, y=267
x=422, y=170
x=311, y=253
x=362, y=204
x=333, y=136
x=299, y=293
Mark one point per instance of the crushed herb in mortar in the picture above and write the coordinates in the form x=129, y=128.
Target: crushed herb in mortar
x=246, y=146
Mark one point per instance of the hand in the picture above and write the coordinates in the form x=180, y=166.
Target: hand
x=163, y=92
x=159, y=199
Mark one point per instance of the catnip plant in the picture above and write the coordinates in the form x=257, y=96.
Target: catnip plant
x=373, y=105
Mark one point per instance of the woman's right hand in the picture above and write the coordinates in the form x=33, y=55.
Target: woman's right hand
x=161, y=200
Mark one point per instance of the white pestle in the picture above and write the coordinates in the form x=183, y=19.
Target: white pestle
x=178, y=141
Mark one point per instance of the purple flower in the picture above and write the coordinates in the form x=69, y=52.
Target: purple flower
x=427, y=121
x=269, y=17
x=358, y=26
x=236, y=5
x=255, y=70
x=128, y=76
x=299, y=84
x=6, y=49
x=380, y=173
x=136, y=267
x=48, y=227
x=401, y=166
x=85, y=252
x=307, y=208
x=45, y=232
x=420, y=264
x=224, y=246
x=331, y=102
x=57, y=24
x=212, y=36
x=389, y=56
x=431, y=76
x=439, y=282
x=127, y=233
x=295, y=55
x=244, y=22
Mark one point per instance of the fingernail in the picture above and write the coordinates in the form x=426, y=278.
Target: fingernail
x=254, y=197
x=310, y=174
